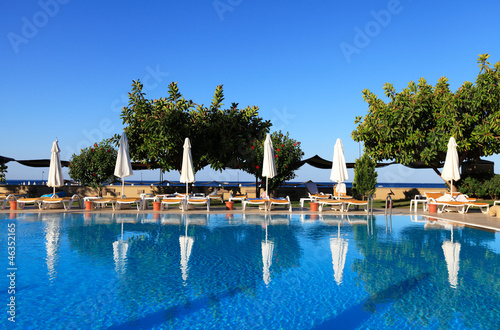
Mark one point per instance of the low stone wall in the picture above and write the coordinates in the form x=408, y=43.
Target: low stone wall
x=131, y=191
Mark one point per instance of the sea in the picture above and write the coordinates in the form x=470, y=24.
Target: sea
x=240, y=184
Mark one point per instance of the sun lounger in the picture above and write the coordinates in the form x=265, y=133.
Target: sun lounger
x=460, y=207
x=237, y=197
x=313, y=192
x=66, y=202
x=121, y=202
x=255, y=201
x=172, y=200
x=340, y=195
x=284, y=201
x=216, y=195
x=104, y=202
x=198, y=201
x=5, y=199
x=459, y=197
x=36, y=201
x=347, y=203
x=334, y=203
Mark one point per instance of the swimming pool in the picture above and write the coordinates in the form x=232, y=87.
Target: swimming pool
x=123, y=271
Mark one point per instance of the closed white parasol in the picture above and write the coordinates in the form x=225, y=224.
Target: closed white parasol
x=451, y=171
x=268, y=166
x=339, y=168
x=55, y=171
x=123, y=167
x=187, y=171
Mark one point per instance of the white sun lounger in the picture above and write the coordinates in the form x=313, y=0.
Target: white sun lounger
x=347, y=203
x=66, y=202
x=239, y=198
x=120, y=202
x=198, y=201
x=173, y=200
x=5, y=199
x=255, y=201
x=336, y=204
x=104, y=202
x=36, y=201
x=285, y=201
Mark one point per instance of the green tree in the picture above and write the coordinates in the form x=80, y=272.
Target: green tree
x=3, y=170
x=94, y=165
x=415, y=125
x=156, y=129
x=365, y=176
x=287, y=153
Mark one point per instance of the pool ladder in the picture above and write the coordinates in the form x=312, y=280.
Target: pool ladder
x=369, y=217
x=370, y=204
x=388, y=206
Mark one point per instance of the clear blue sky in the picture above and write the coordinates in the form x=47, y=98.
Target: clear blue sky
x=67, y=66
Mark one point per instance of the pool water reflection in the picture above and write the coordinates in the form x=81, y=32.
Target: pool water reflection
x=251, y=271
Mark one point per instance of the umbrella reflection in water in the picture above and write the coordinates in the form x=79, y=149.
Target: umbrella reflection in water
x=452, y=256
x=267, y=258
x=338, y=247
x=120, y=249
x=53, y=241
x=186, y=243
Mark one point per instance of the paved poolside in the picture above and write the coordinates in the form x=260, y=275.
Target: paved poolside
x=474, y=218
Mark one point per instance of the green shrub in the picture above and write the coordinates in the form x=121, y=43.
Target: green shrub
x=94, y=165
x=3, y=170
x=483, y=187
x=365, y=176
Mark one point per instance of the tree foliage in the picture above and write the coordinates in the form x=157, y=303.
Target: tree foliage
x=94, y=165
x=3, y=170
x=365, y=176
x=416, y=124
x=287, y=153
x=156, y=129
x=488, y=188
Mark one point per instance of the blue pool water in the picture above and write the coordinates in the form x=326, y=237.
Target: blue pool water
x=122, y=271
